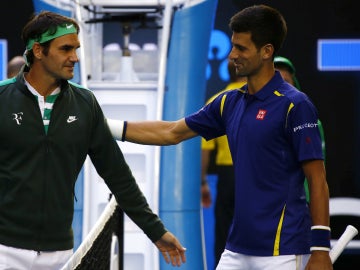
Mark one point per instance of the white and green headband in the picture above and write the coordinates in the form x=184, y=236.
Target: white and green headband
x=61, y=30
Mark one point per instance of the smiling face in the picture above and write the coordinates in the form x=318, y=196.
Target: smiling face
x=244, y=54
x=248, y=59
x=59, y=60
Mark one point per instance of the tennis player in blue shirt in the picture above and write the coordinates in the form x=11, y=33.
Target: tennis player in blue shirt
x=275, y=142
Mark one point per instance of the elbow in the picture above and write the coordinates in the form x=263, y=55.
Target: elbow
x=173, y=138
x=176, y=133
x=173, y=141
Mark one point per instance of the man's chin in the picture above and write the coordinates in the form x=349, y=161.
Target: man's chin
x=69, y=76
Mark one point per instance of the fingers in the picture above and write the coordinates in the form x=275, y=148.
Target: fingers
x=175, y=256
x=165, y=256
x=171, y=249
x=182, y=254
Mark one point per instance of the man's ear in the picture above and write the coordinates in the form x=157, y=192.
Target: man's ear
x=37, y=49
x=267, y=51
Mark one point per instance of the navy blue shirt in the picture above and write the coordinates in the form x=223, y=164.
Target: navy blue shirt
x=270, y=134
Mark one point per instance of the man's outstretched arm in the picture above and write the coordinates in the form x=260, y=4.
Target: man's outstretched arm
x=151, y=132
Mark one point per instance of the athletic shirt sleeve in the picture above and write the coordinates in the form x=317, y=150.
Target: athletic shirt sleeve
x=304, y=131
x=207, y=122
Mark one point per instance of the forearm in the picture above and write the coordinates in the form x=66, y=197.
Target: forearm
x=120, y=180
x=158, y=132
x=319, y=207
x=320, y=231
x=150, y=133
x=137, y=209
x=146, y=132
x=319, y=204
x=319, y=193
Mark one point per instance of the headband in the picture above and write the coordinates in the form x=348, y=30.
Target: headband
x=61, y=30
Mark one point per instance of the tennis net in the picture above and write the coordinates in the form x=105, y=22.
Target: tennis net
x=95, y=251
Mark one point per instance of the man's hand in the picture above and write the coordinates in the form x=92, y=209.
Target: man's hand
x=319, y=260
x=171, y=249
x=205, y=195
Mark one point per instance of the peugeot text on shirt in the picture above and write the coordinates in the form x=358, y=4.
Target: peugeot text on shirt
x=306, y=125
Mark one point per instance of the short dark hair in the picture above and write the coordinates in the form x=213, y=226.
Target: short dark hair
x=41, y=23
x=266, y=25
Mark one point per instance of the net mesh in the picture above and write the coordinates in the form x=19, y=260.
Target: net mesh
x=94, y=251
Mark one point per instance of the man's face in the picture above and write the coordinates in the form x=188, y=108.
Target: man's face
x=246, y=57
x=61, y=58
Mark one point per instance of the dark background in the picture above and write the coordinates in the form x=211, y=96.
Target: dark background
x=336, y=94
x=13, y=16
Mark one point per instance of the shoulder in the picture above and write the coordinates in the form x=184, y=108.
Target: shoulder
x=235, y=87
x=291, y=93
x=6, y=83
x=81, y=94
x=81, y=90
x=78, y=87
x=226, y=93
x=299, y=104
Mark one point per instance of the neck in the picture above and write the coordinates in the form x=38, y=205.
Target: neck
x=42, y=84
x=259, y=80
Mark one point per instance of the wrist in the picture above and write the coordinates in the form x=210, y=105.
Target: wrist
x=117, y=128
x=124, y=131
x=320, y=238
